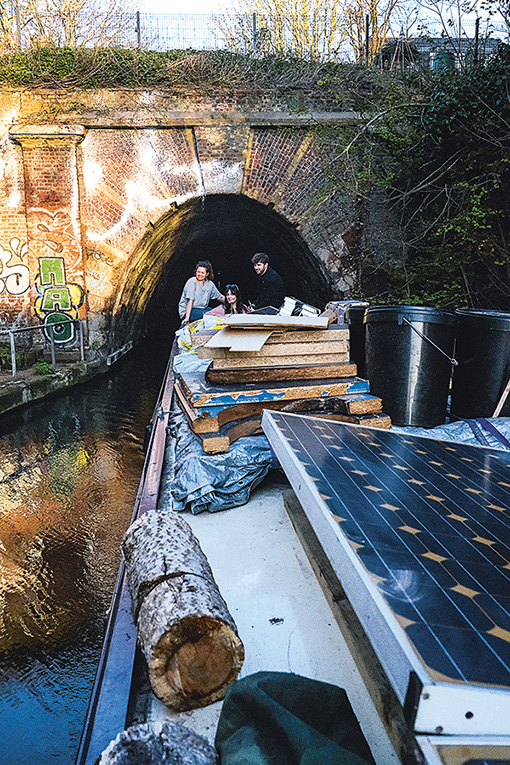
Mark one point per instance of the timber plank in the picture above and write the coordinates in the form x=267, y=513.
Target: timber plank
x=329, y=348
x=254, y=361
x=378, y=420
x=354, y=403
x=200, y=393
x=330, y=333
x=267, y=321
x=303, y=372
x=217, y=443
x=216, y=417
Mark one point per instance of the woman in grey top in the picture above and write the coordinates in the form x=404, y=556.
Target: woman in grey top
x=198, y=292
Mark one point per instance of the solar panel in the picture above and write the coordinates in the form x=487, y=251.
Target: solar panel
x=418, y=531
x=458, y=750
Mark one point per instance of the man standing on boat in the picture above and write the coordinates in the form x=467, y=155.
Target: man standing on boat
x=270, y=286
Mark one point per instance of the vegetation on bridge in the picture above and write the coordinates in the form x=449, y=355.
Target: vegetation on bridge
x=433, y=148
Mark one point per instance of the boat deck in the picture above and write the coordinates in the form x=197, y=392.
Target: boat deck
x=281, y=612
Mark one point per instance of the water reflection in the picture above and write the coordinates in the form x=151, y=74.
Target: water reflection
x=69, y=471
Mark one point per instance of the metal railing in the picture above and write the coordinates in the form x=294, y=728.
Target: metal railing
x=256, y=34
x=48, y=330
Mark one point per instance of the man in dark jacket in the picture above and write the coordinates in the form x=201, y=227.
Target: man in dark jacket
x=271, y=289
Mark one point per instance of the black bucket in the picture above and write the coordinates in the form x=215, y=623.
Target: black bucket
x=483, y=353
x=354, y=318
x=404, y=364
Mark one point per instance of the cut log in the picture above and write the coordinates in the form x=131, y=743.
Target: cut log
x=154, y=743
x=184, y=627
x=302, y=372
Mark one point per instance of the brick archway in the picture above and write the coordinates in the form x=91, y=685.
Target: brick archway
x=93, y=199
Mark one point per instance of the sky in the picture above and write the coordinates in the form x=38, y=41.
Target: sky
x=174, y=6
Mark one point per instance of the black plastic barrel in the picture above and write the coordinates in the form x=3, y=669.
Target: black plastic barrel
x=354, y=318
x=403, y=364
x=483, y=353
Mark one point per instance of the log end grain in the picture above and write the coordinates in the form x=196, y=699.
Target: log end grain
x=194, y=662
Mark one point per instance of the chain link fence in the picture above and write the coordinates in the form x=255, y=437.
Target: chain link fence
x=420, y=41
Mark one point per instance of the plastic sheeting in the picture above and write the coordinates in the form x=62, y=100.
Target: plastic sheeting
x=217, y=481
x=462, y=432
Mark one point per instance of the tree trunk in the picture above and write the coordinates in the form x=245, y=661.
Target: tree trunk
x=159, y=743
x=184, y=628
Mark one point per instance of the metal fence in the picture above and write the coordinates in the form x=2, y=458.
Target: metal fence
x=254, y=34
x=324, y=38
x=25, y=336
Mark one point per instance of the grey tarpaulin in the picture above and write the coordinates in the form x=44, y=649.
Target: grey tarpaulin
x=217, y=481
x=462, y=432
x=200, y=481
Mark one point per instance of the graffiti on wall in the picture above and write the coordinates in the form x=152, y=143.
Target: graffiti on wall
x=58, y=301
x=14, y=274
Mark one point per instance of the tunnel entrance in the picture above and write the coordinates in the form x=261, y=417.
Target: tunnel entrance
x=227, y=230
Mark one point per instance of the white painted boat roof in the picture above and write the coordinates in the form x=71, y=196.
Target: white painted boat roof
x=281, y=612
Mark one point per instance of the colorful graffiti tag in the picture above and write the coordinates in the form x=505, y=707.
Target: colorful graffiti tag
x=14, y=277
x=57, y=300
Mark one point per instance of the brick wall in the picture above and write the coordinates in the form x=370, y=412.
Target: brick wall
x=88, y=187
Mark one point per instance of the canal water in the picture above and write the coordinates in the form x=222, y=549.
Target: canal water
x=69, y=472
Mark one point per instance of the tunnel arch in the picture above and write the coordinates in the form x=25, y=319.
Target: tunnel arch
x=226, y=229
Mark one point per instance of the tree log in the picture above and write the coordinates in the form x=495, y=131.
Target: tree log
x=166, y=743
x=184, y=627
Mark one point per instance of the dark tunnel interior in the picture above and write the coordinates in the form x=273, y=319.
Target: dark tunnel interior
x=227, y=230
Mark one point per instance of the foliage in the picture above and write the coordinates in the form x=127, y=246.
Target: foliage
x=309, y=30
x=42, y=368
x=63, y=23
x=446, y=170
x=348, y=85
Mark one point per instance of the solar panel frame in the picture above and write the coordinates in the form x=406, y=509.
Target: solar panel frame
x=442, y=705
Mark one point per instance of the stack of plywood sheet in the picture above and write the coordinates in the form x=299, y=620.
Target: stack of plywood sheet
x=282, y=363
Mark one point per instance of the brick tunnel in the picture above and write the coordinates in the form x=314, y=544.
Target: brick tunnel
x=226, y=229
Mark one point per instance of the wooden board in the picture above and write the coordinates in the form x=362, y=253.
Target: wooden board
x=200, y=338
x=217, y=443
x=219, y=416
x=370, y=420
x=277, y=349
x=351, y=403
x=200, y=393
x=264, y=362
x=263, y=321
x=239, y=340
x=303, y=372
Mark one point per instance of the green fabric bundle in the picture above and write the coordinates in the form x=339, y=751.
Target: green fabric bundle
x=275, y=718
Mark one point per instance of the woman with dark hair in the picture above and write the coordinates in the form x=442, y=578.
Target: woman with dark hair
x=198, y=291
x=234, y=302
